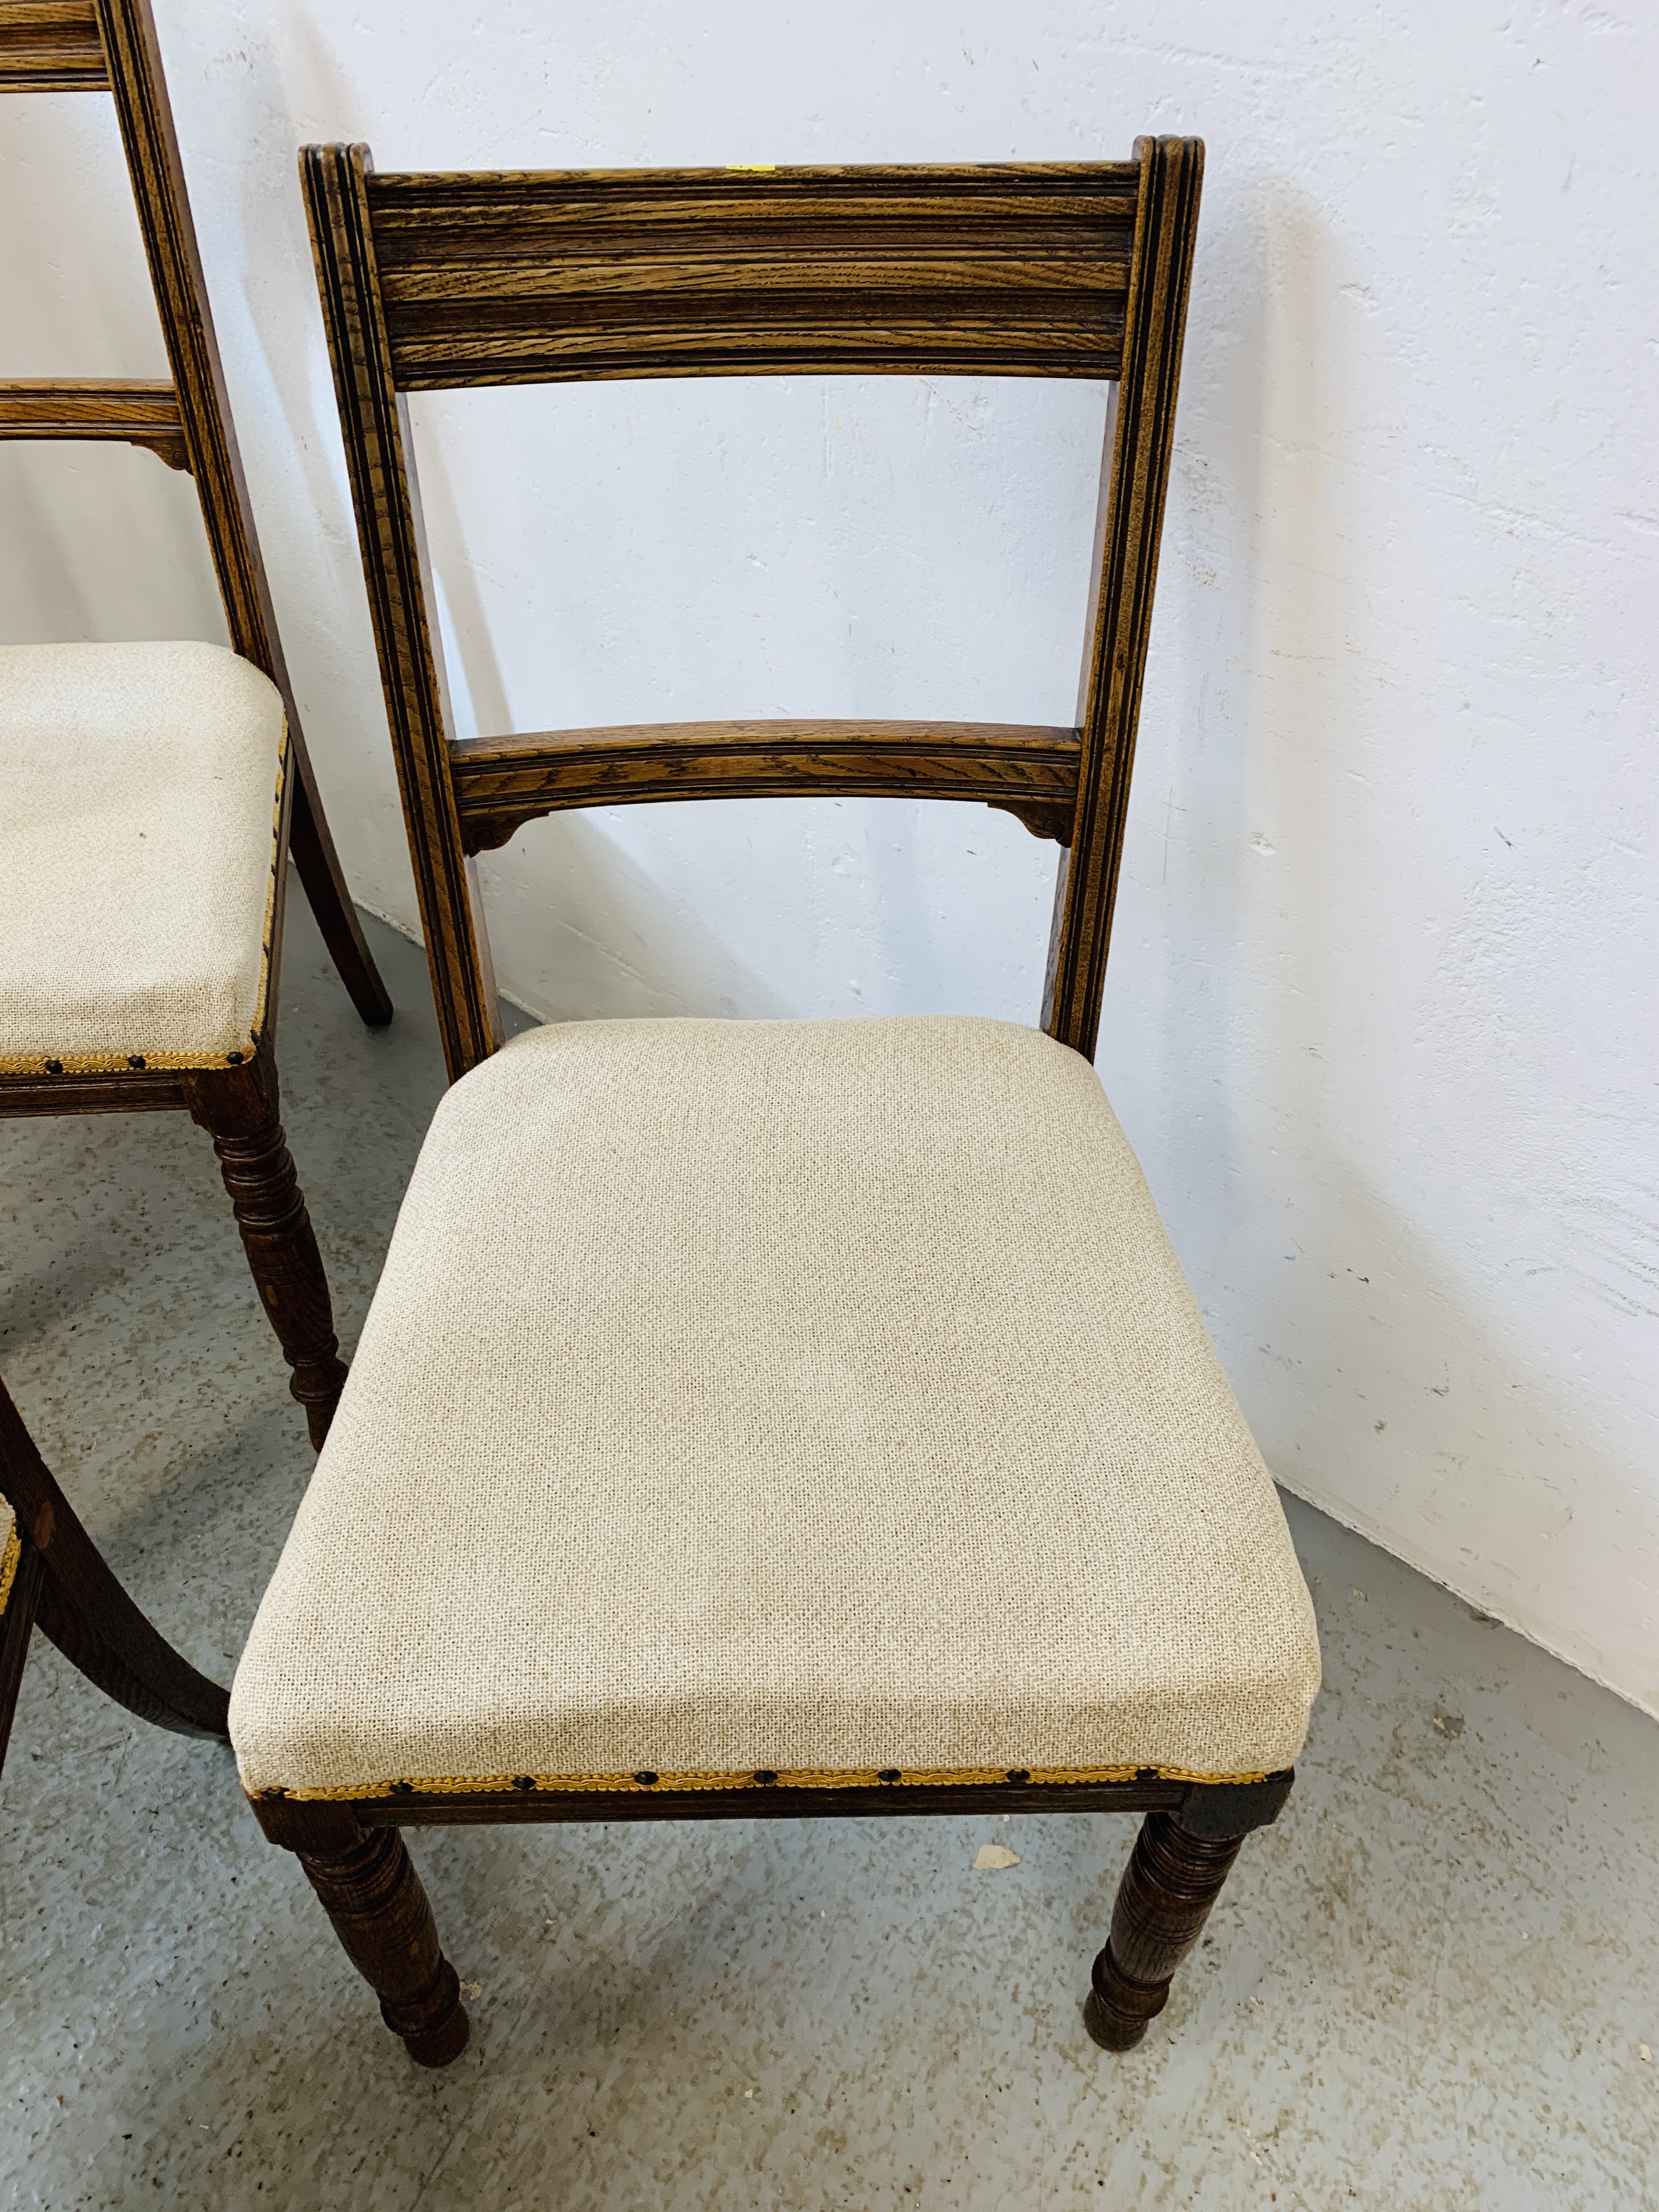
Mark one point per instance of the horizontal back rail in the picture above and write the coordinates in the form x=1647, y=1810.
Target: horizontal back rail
x=500, y=783
x=51, y=46
x=139, y=414
x=539, y=277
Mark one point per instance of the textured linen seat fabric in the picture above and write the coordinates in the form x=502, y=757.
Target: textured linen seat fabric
x=810, y=1398
x=139, y=793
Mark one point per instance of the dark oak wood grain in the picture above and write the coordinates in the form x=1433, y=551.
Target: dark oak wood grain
x=500, y=783
x=1130, y=524
x=141, y=413
x=1010, y=270
x=1172, y=1880
x=79, y=1603
x=380, y=1912
x=116, y=1090
x=241, y=1114
x=375, y=423
x=51, y=46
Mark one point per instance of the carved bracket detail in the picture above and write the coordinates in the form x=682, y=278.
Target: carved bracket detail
x=1050, y=818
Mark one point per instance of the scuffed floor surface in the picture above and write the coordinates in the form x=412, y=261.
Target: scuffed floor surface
x=1430, y=1986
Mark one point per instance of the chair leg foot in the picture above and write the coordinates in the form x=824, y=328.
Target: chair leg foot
x=383, y=1917
x=1172, y=1880
x=1108, y=2010
x=286, y=1266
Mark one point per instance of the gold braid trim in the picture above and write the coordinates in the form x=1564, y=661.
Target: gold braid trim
x=268, y=933
x=809, y=1777
x=118, y=1063
x=175, y=1063
x=8, y=1559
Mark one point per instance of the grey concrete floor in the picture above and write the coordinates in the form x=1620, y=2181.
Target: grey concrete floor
x=1430, y=1985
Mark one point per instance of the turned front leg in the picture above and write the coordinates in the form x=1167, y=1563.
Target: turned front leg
x=239, y=1109
x=381, y=1914
x=1172, y=1880
x=286, y=1266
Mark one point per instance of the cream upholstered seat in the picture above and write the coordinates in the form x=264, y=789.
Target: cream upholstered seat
x=139, y=790
x=818, y=1399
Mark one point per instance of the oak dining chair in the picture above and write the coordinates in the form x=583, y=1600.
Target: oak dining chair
x=151, y=796
x=53, y=1577
x=779, y=1417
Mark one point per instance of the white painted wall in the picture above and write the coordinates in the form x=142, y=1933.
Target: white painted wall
x=1381, y=1018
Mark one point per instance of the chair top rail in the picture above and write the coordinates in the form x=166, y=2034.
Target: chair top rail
x=544, y=276
x=51, y=46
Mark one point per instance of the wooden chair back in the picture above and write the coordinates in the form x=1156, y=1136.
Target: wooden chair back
x=432, y=282
x=110, y=46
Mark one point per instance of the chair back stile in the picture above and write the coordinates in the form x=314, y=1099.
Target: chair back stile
x=447, y=281
x=374, y=418
x=110, y=45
